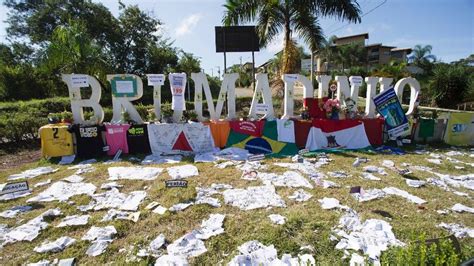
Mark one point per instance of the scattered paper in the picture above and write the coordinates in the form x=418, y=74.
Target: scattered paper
x=374, y=169
x=331, y=203
x=30, y=230
x=287, y=179
x=134, y=173
x=44, y=183
x=415, y=183
x=277, y=219
x=74, y=179
x=113, y=199
x=100, y=237
x=55, y=246
x=180, y=206
x=31, y=173
x=253, y=198
x=300, y=195
x=110, y=185
x=62, y=191
x=158, y=159
x=183, y=171
x=458, y=207
x=370, y=176
x=459, y=231
x=398, y=192
x=13, y=212
x=160, y=210
x=67, y=159
x=74, y=220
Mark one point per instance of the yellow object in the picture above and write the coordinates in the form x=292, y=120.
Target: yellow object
x=56, y=140
x=460, y=129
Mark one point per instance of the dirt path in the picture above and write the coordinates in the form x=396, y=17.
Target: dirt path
x=19, y=158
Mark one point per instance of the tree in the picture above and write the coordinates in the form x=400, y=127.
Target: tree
x=289, y=16
x=450, y=85
x=422, y=57
x=349, y=55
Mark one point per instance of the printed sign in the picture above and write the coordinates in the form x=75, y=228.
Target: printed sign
x=14, y=187
x=124, y=86
x=256, y=157
x=356, y=81
x=388, y=105
x=176, y=183
x=156, y=79
x=80, y=81
x=262, y=108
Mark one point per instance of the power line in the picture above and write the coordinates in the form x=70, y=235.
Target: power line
x=335, y=23
x=368, y=12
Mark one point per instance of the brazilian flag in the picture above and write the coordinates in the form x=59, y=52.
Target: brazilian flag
x=267, y=144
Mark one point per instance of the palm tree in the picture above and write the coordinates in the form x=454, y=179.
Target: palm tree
x=289, y=16
x=422, y=55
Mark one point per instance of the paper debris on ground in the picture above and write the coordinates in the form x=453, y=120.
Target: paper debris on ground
x=160, y=210
x=180, y=206
x=227, y=164
x=110, y=185
x=55, y=246
x=171, y=260
x=402, y=193
x=113, y=199
x=156, y=244
x=152, y=205
x=388, y=163
x=300, y=195
x=234, y=154
x=158, y=159
x=82, y=168
x=434, y=161
x=358, y=161
x=15, y=195
x=458, y=207
x=100, y=237
x=74, y=179
x=62, y=191
x=253, y=198
x=120, y=215
x=331, y=203
x=370, y=176
x=251, y=166
x=67, y=159
x=374, y=169
x=74, y=220
x=30, y=230
x=370, y=194
x=277, y=219
x=415, y=183
x=211, y=227
x=187, y=246
x=40, y=184
x=13, y=212
x=67, y=262
x=207, y=157
x=371, y=237
x=305, y=168
x=339, y=174
x=182, y=171
x=204, y=195
x=459, y=231
x=287, y=179
x=31, y=173
x=134, y=173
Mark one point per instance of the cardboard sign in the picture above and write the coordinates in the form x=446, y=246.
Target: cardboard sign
x=256, y=157
x=156, y=79
x=176, y=183
x=262, y=108
x=388, y=105
x=80, y=81
x=303, y=151
x=14, y=187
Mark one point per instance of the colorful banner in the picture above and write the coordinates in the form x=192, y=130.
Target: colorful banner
x=388, y=105
x=460, y=129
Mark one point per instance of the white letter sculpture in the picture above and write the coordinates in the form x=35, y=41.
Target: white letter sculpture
x=125, y=88
x=371, y=92
x=290, y=80
x=74, y=84
x=414, y=91
x=262, y=88
x=156, y=80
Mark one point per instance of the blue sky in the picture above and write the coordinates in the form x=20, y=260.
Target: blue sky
x=448, y=25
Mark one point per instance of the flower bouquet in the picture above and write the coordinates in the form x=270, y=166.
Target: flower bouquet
x=332, y=108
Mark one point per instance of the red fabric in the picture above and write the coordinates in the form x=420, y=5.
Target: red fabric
x=253, y=128
x=302, y=128
x=182, y=143
x=327, y=125
x=313, y=107
x=374, y=130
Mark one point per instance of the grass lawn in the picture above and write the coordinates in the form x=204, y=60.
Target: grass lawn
x=307, y=223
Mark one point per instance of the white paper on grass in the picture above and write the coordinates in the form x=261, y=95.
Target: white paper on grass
x=74, y=220
x=187, y=246
x=305, y=168
x=134, y=173
x=13, y=212
x=374, y=169
x=15, y=195
x=388, y=163
x=370, y=194
x=110, y=185
x=179, y=207
x=370, y=176
x=100, y=237
x=339, y=174
x=62, y=191
x=82, y=168
x=67, y=159
x=211, y=227
x=39, y=263
x=415, y=183
x=204, y=195
x=253, y=198
x=183, y=171
x=31, y=173
x=233, y=153
x=160, y=210
x=40, y=184
x=55, y=246
x=300, y=195
x=458, y=207
x=113, y=214
x=171, y=260
x=30, y=230
x=402, y=193
x=287, y=179
x=459, y=231
x=74, y=179
x=207, y=157
x=114, y=199
x=277, y=219
x=331, y=203
x=251, y=166
x=159, y=159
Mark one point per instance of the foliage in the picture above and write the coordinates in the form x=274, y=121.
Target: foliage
x=451, y=84
x=422, y=57
x=299, y=17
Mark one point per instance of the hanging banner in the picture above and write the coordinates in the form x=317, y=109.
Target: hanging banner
x=388, y=105
x=460, y=129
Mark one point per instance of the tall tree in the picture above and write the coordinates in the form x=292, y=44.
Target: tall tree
x=289, y=16
x=421, y=56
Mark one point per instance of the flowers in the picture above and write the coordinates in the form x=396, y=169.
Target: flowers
x=332, y=105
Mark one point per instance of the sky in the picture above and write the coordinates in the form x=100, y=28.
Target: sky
x=447, y=25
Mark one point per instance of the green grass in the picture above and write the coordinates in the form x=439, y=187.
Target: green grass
x=307, y=223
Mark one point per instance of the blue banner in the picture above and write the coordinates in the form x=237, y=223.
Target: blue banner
x=389, y=107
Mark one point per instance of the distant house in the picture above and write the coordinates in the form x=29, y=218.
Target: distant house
x=377, y=54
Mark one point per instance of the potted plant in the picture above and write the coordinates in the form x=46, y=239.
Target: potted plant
x=332, y=108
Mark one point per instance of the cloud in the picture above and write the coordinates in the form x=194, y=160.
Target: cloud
x=188, y=24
